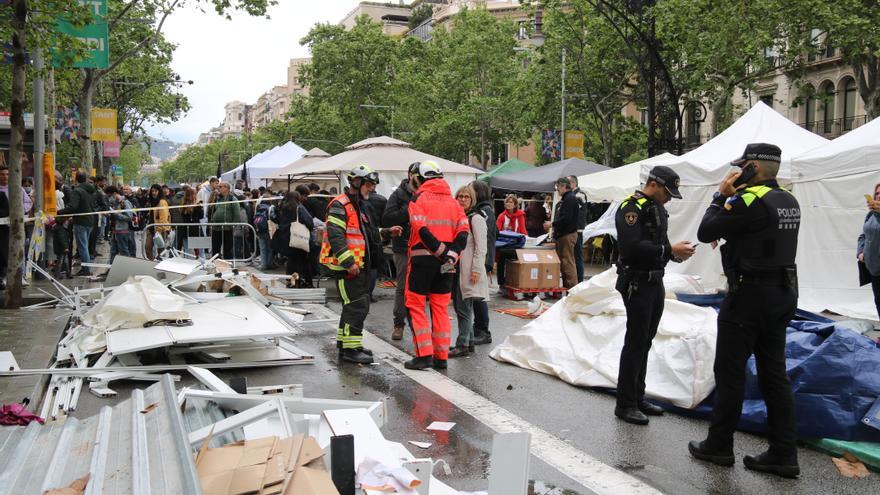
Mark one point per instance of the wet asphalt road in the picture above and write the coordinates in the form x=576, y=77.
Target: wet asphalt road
x=656, y=454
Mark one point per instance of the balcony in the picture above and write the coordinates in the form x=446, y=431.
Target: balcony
x=836, y=127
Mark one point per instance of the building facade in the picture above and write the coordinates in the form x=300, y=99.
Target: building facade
x=394, y=19
x=237, y=119
x=295, y=85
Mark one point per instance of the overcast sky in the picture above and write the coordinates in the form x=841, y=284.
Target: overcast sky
x=237, y=59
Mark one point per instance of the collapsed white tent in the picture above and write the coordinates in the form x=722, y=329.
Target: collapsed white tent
x=620, y=182
x=702, y=169
x=391, y=159
x=579, y=340
x=830, y=183
x=267, y=164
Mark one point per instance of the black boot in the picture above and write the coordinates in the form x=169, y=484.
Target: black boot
x=787, y=467
x=705, y=452
x=419, y=363
x=459, y=351
x=482, y=338
x=631, y=415
x=439, y=364
x=357, y=356
x=650, y=409
x=365, y=351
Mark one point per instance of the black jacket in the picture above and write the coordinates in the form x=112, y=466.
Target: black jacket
x=397, y=213
x=641, y=233
x=491, y=232
x=565, y=221
x=317, y=207
x=82, y=197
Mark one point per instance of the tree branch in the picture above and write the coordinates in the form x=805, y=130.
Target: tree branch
x=144, y=42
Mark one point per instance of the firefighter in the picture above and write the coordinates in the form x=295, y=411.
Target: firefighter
x=438, y=233
x=349, y=238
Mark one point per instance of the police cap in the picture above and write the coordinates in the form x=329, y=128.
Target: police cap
x=759, y=151
x=667, y=178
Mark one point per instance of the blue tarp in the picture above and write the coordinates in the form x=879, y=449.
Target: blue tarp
x=835, y=378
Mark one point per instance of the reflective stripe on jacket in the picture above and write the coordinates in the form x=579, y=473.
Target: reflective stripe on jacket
x=355, y=243
x=434, y=207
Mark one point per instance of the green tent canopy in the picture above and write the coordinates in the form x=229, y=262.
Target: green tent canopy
x=512, y=165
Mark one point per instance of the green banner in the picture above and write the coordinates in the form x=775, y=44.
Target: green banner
x=96, y=36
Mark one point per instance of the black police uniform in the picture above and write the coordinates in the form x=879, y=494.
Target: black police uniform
x=760, y=224
x=644, y=251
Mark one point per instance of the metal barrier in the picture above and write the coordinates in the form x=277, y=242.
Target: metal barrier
x=205, y=242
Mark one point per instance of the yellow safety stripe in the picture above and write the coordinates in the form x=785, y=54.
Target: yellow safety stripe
x=344, y=256
x=336, y=221
x=342, y=292
x=336, y=267
x=639, y=202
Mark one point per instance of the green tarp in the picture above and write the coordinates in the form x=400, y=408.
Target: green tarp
x=512, y=165
x=867, y=452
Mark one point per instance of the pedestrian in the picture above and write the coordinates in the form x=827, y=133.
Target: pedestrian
x=438, y=233
x=583, y=216
x=159, y=217
x=512, y=218
x=205, y=192
x=99, y=204
x=289, y=211
x=121, y=236
x=759, y=220
x=868, y=249
x=376, y=206
x=536, y=215
x=642, y=224
x=482, y=335
x=565, y=231
x=263, y=212
x=317, y=207
x=80, y=204
x=472, y=284
x=190, y=213
x=397, y=214
x=223, y=210
x=345, y=253
x=175, y=200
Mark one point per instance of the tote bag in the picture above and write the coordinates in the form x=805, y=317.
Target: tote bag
x=299, y=234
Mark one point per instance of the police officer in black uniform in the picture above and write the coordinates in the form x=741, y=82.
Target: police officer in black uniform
x=644, y=250
x=759, y=222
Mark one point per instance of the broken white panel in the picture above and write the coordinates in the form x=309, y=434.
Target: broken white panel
x=509, y=463
x=368, y=440
x=182, y=266
x=8, y=362
x=233, y=318
x=209, y=379
x=256, y=413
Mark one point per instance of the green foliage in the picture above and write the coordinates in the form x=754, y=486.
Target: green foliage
x=132, y=158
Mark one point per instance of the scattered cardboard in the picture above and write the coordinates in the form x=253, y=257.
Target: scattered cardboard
x=77, y=487
x=533, y=269
x=265, y=466
x=850, y=466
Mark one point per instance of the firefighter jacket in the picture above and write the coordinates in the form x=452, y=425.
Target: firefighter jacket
x=344, y=241
x=438, y=224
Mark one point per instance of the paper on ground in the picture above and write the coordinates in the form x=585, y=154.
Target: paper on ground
x=579, y=340
x=440, y=426
x=421, y=445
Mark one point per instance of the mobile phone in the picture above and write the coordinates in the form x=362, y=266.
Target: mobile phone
x=748, y=172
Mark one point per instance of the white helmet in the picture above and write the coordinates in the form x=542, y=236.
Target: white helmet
x=429, y=169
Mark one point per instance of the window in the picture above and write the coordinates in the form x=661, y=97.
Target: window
x=767, y=99
x=828, y=114
x=810, y=113
x=849, y=104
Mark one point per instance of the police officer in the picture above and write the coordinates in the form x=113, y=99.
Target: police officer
x=644, y=250
x=759, y=222
x=348, y=239
x=438, y=233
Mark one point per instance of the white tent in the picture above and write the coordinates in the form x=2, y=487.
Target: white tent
x=391, y=158
x=830, y=183
x=620, y=182
x=266, y=164
x=702, y=169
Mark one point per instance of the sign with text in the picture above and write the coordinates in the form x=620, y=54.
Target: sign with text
x=96, y=37
x=574, y=144
x=49, y=206
x=111, y=148
x=104, y=124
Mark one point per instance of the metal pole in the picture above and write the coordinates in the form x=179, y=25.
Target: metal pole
x=562, y=157
x=392, y=121
x=39, y=130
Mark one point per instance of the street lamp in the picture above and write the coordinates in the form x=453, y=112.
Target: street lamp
x=384, y=106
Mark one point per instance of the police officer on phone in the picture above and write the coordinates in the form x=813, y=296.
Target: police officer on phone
x=759, y=220
x=644, y=248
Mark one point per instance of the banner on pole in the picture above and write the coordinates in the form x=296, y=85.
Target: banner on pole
x=66, y=123
x=551, y=148
x=96, y=37
x=49, y=184
x=574, y=144
x=104, y=124
x=111, y=148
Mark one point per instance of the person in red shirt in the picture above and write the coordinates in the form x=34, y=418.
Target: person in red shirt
x=438, y=233
x=512, y=218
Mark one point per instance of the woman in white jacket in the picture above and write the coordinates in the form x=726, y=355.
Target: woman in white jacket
x=472, y=284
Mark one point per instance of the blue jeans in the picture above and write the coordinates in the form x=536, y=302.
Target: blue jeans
x=265, y=251
x=122, y=243
x=81, y=236
x=579, y=256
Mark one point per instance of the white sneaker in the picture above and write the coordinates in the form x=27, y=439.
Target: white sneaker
x=25, y=283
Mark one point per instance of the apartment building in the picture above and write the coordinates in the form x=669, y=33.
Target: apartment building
x=393, y=18
x=295, y=85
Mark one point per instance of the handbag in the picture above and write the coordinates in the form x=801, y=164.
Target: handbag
x=299, y=234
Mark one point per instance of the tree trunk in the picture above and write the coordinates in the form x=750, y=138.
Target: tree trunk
x=718, y=107
x=866, y=68
x=85, y=114
x=16, y=210
x=607, y=132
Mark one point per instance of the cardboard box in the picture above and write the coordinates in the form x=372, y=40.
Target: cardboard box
x=533, y=269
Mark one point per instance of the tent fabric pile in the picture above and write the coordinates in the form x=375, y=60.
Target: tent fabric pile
x=579, y=340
